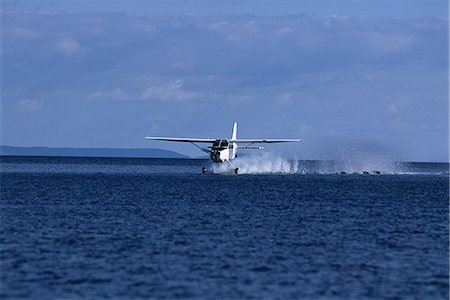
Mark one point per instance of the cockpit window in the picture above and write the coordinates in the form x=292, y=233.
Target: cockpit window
x=220, y=144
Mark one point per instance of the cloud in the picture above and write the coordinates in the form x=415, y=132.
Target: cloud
x=114, y=95
x=172, y=91
x=28, y=105
x=251, y=27
x=68, y=46
x=233, y=37
x=284, y=98
x=391, y=108
x=388, y=43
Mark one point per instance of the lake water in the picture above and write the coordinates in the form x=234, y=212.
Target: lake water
x=112, y=228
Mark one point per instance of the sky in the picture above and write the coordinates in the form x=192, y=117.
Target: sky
x=345, y=76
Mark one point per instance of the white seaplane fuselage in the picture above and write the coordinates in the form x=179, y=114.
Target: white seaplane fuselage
x=224, y=150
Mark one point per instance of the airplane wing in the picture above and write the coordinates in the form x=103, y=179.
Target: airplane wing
x=185, y=140
x=264, y=141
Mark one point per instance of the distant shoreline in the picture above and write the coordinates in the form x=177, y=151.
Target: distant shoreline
x=89, y=152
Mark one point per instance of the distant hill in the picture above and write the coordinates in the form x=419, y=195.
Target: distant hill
x=88, y=152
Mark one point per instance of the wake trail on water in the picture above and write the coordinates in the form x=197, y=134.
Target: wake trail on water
x=269, y=163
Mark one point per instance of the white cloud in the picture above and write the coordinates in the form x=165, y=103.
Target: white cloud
x=252, y=27
x=28, y=105
x=284, y=98
x=233, y=37
x=172, y=91
x=114, y=95
x=285, y=31
x=68, y=46
x=390, y=43
x=219, y=26
x=391, y=108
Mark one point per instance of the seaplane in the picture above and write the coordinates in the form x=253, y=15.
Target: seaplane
x=223, y=150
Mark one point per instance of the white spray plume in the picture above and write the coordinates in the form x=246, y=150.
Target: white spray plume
x=269, y=163
x=264, y=163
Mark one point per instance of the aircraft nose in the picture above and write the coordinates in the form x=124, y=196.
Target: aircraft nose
x=215, y=156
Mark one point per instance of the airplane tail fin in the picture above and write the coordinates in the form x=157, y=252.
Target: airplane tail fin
x=234, y=137
x=234, y=132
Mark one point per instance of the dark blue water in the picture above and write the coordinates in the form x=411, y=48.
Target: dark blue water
x=154, y=228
